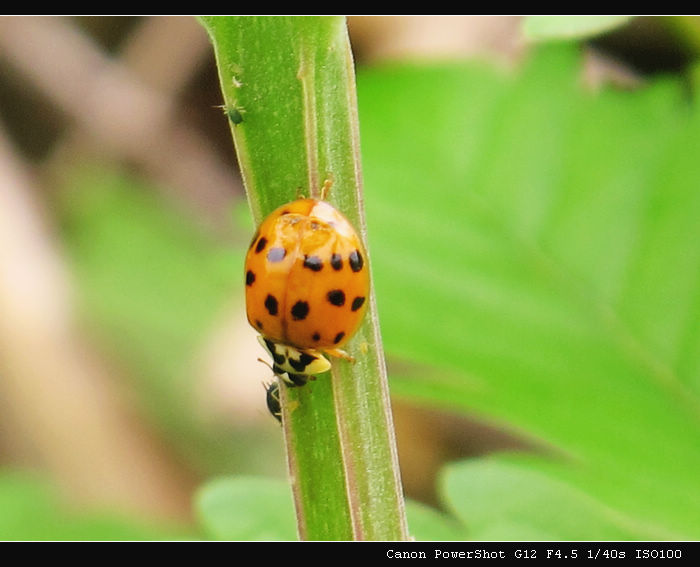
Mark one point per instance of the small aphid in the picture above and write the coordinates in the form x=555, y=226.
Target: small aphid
x=235, y=115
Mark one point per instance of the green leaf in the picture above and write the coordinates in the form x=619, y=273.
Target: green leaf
x=150, y=284
x=247, y=509
x=30, y=510
x=541, y=28
x=513, y=499
x=535, y=247
x=428, y=524
x=256, y=509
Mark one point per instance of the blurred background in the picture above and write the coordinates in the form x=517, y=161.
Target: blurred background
x=126, y=374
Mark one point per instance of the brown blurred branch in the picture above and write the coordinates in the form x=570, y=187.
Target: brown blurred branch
x=59, y=408
x=164, y=52
x=436, y=37
x=116, y=113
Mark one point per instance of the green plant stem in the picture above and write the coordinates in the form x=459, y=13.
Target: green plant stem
x=289, y=87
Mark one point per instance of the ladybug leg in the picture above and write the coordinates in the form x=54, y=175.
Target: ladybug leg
x=338, y=353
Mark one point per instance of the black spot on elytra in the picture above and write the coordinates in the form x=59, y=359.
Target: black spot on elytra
x=276, y=254
x=261, y=245
x=249, y=278
x=338, y=338
x=336, y=297
x=271, y=304
x=316, y=337
x=337, y=262
x=357, y=303
x=313, y=263
x=258, y=324
x=300, y=310
x=356, y=260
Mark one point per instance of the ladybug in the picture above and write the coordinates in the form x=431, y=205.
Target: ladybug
x=307, y=284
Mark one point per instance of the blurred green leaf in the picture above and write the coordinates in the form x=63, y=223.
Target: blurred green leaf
x=428, y=524
x=684, y=32
x=151, y=286
x=536, y=245
x=31, y=511
x=247, y=509
x=513, y=499
x=540, y=28
x=149, y=274
x=255, y=509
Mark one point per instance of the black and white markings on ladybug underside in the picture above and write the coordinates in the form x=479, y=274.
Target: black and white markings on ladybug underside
x=293, y=365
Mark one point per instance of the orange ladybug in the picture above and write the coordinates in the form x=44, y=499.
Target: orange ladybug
x=307, y=286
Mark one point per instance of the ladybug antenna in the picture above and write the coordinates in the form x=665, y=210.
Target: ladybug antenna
x=266, y=363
